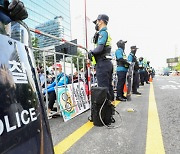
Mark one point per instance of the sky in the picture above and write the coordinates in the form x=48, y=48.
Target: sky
x=152, y=25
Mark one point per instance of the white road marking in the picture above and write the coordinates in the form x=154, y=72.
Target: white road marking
x=170, y=87
x=174, y=82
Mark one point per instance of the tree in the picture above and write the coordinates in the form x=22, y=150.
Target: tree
x=177, y=67
x=37, y=54
x=34, y=41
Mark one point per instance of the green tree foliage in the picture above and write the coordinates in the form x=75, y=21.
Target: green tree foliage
x=177, y=67
x=37, y=54
x=34, y=41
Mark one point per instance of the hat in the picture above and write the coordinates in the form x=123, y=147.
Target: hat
x=57, y=66
x=103, y=17
x=121, y=42
x=134, y=47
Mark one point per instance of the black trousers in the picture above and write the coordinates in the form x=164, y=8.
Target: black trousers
x=135, y=81
x=146, y=76
x=52, y=98
x=120, y=84
x=104, y=71
x=142, y=77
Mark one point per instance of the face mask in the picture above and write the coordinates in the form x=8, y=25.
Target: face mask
x=96, y=27
x=134, y=51
x=58, y=72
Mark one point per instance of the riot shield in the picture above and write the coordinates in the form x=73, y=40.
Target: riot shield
x=129, y=80
x=24, y=126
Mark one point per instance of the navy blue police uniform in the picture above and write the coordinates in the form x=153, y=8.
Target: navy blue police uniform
x=141, y=70
x=147, y=67
x=104, y=66
x=132, y=58
x=122, y=68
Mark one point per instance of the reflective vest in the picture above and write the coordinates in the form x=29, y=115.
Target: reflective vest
x=106, y=51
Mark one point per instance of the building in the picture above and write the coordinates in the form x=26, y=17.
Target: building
x=172, y=62
x=19, y=33
x=45, y=13
x=53, y=27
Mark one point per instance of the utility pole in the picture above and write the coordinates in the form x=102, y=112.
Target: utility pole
x=85, y=17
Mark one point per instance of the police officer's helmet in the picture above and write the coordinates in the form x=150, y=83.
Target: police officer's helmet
x=103, y=17
x=148, y=62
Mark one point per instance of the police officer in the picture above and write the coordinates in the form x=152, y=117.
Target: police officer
x=147, y=69
x=132, y=58
x=141, y=71
x=104, y=66
x=13, y=11
x=122, y=68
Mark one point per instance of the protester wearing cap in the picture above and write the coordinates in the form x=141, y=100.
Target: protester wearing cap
x=122, y=68
x=132, y=58
x=102, y=54
x=61, y=80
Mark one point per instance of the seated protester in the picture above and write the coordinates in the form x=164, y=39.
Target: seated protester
x=51, y=88
x=75, y=77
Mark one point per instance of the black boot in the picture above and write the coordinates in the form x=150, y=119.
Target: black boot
x=120, y=99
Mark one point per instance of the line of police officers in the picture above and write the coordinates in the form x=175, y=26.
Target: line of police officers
x=104, y=66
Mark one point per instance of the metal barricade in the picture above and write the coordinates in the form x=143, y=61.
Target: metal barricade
x=45, y=62
x=85, y=60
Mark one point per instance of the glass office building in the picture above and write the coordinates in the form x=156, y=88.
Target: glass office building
x=50, y=16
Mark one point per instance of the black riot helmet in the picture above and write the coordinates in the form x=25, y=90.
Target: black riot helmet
x=103, y=17
x=121, y=44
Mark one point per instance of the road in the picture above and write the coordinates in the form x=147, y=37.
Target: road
x=153, y=127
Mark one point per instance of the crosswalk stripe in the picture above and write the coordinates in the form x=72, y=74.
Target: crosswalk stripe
x=154, y=141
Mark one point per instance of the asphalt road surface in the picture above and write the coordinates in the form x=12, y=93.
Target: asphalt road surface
x=150, y=123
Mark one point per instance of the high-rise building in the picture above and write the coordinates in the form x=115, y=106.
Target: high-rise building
x=51, y=17
x=53, y=27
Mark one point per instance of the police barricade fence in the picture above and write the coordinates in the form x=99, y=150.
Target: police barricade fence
x=72, y=96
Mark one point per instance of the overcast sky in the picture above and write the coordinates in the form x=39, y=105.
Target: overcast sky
x=151, y=25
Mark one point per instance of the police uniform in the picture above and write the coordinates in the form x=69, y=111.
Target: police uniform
x=122, y=68
x=141, y=70
x=132, y=58
x=147, y=67
x=104, y=66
